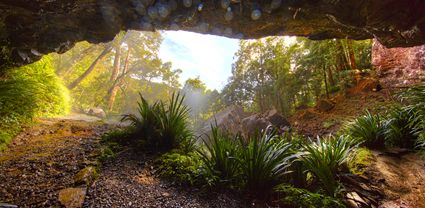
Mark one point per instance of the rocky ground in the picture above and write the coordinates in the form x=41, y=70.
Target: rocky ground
x=129, y=181
x=44, y=164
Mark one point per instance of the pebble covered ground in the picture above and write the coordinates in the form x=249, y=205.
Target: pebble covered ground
x=129, y=181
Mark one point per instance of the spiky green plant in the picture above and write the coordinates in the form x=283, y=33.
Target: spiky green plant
x=325, y=158
x=147, y=120
x=163, y=125
x=174, y=129
x=402, y=127
x=264, y=162
x=220, y=157
x=369, y=129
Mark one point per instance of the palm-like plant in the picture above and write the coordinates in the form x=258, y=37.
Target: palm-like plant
x=147, y=119
x=264, y=162
x=369, y=129
x=326, y=158
x=402, y=127
x=220, y=157
x=163, y=125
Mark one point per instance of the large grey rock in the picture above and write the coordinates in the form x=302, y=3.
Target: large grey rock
x=98, y=112
x=228, y=120
x=234, y=120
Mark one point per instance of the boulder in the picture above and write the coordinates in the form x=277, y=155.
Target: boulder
x=72, y=197
x=234, y=120
x=98, y=112
x=253, y=124
x=228, y=120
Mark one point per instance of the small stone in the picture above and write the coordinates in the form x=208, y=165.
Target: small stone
x=72, y=197
x=86, y=175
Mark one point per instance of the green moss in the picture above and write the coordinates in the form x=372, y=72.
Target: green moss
x=360, y=161
x=86, y=176
x=30, y=92
x=301, y=198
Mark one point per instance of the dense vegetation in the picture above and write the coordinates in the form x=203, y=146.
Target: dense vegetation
x=273, y=73
x=30, y=92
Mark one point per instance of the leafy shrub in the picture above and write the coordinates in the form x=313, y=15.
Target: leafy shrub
x=164, y=126
x=301, y=198
x=326, y=158
x=415, y=96
x=401, y=129
x=369, y=129
x=183, y=168
x=220, y=156
x=106, y=153
x=264, y=162
x=28, y=92
x=360, y=160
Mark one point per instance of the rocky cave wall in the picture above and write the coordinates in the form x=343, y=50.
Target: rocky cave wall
x=398, y=67
x=32, y=28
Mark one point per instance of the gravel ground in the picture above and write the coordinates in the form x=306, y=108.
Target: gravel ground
x=43, y=159
x=129, y=181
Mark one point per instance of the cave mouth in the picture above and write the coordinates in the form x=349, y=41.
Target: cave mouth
x=29, y=30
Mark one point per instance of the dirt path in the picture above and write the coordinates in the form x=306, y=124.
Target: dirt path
x=44, y=159
x=129, y=181
x=401, y=177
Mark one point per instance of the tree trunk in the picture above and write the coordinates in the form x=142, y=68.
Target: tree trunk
x=117, y=84
x=351, y=54
x=67, y=67
x=117, y=63
x=91, y=68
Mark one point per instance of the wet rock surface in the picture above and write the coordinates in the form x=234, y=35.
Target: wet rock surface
x=398, y=67
x=29, y=29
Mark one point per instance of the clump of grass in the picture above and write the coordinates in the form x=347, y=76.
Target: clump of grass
x=163, y=125
x=264, y=162
x=369, y=129
x=220, y=155
x=402, y=127
x=326, y=158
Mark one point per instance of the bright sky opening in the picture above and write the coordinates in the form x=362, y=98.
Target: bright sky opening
x=207, y=56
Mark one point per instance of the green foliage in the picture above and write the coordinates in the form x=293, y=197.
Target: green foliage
x=183, y=168
x=220, y=157
x=326, y=158
x=274, y=73
x=163, y=125
x=29, y=92
x=301, y=198
x=402, y=127
x=360, y=160
x=369, y=129
x=106, y=153
x=264, y=163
